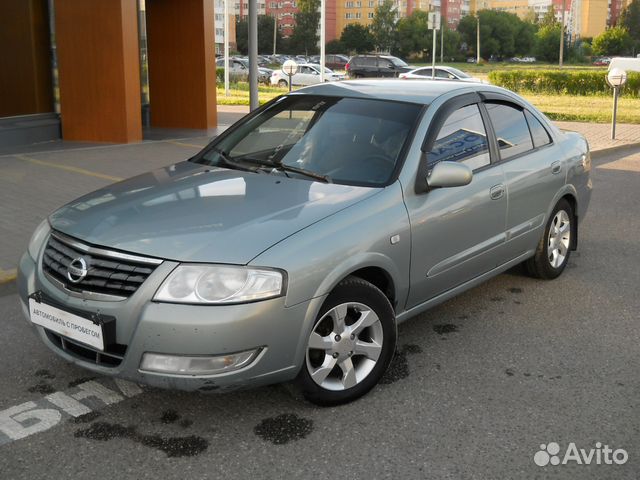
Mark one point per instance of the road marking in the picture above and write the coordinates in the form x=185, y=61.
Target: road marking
x=7, y=276
x=29, y=418
x=69, y=168
x=183, y=144
x=627, y=164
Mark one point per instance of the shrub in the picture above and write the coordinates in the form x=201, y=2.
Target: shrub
x=569, y=82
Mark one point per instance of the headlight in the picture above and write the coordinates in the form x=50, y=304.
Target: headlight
x=38, y=238
x=218, y=284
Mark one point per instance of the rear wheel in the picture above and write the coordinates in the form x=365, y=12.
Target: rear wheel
x=554, y=248
x=350, y=345
x=282, y=83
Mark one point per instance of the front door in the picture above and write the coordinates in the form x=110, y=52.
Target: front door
x=457, y=233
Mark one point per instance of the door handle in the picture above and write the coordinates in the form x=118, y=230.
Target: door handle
x=556, y=167
x=496, y=192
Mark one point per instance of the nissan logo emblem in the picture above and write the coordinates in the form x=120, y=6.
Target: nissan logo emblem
x=77, y=270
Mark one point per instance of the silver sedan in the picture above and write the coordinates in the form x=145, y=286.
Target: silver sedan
x=292, y=246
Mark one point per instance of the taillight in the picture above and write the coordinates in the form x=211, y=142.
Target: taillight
x=347, y=67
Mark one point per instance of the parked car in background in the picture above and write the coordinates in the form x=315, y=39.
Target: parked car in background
x=239, y=70
x=441, y=73
x=332, y=61
x=307, y=74
x=361, y=66
x=294, y=243
x=601, y=61
x=336, y=61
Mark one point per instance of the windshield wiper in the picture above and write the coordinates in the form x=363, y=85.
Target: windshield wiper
x=228, y=161
x=288, y=168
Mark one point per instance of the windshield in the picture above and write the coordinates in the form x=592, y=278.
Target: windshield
x=397, y=62
x=351, y=141
x=458, y=73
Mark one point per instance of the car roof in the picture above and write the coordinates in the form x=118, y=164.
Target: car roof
x=418, y=91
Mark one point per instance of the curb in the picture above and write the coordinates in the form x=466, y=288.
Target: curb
x=603, y=152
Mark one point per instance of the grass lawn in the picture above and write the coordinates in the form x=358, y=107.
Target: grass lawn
x=592, y=108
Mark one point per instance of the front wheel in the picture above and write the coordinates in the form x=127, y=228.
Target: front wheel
x=282, y=83
x=554, y=248
x=350, y=345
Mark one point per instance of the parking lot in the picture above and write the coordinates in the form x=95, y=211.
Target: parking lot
x=477, y=386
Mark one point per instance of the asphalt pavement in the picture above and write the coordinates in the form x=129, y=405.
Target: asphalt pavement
x=477, y=386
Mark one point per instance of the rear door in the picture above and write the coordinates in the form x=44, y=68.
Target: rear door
x=457, y=233
x=533, y=172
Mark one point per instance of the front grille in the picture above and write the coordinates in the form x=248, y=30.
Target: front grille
x=109, y=273
x=111, y=357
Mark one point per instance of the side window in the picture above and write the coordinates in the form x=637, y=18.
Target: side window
x=424, y=72
x=369, y=61
x=442, y=73
x=512, y=131
x=462, y=138
x=384, y=63
x=538, y=132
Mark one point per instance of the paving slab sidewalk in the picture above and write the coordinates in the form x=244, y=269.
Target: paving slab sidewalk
x=33, y=183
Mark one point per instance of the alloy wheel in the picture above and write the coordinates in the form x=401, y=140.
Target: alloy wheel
x=344, y=346
x=559, y=239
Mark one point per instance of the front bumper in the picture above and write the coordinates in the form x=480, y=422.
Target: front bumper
x=145, y=326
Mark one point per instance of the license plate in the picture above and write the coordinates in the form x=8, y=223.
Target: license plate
x=66, y=324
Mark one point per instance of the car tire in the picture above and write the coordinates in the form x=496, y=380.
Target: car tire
x=554, y=248
x=282, y=83
x=346, y=357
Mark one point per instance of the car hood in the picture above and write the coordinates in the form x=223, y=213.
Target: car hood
x=193, y=213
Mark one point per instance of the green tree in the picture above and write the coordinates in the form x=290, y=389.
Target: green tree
x=265, y=35
x=413, y=36
x=383, y=25
x=305, y=32
x=357, y=38
x=613, y=41
x=630, y=19
x=334, y=46
x=547, y=46
x=502, y=34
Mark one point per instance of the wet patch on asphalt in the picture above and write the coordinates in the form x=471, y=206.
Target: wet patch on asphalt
x=44, y=373
x=399, y=367
x=43, y=388
x=172, y=446
x=169, y=416
x=283, y=428
x=444, y=328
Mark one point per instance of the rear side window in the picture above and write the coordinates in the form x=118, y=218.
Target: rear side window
x=512, y=131
x=539, y=134
x=365, y=61
x=463, y=139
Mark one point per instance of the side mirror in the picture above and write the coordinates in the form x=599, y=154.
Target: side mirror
x=449, y=174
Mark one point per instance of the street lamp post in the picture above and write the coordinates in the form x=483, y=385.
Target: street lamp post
x=477, y=38
x=226, y=48
x=562, y=34
x=615, y=78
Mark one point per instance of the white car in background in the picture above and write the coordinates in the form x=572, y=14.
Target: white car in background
x=307, y=74
x=442, y=73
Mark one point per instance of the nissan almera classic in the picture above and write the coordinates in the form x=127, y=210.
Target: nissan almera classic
x=293, y=244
